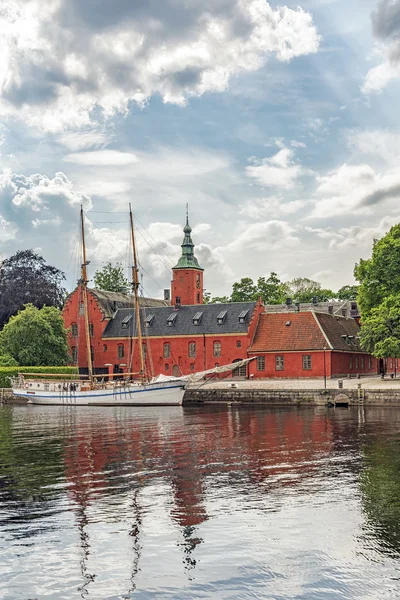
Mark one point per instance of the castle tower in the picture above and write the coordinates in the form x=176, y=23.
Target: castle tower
x=187, y=275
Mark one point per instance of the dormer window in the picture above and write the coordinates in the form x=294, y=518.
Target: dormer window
x=221, y=317
x=197, y=318
x=171, y=319
x=149, y=320
x=126, y=321
x=243, y=316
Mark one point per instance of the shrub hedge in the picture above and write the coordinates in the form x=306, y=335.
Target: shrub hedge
x=7, y=372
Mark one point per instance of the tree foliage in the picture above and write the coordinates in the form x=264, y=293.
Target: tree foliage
x=380, y=332
x=7, y=361
x=26, y=278
x=348, y=292
x=111, y=278
x=379, y=276
x=302, y=289
x=36, y=337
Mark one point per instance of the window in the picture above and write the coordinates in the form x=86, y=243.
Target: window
x=344, y=312
x=91, y=330
x=330, y=309
x=166, y=366
x=356, y=362
x=192, y=350
x=369, y=362
x=260, y=363
x=74, y=330
x=279, y=363
x=46, y=387
x=238, y=344
x=217, y=364
x=81, y=309
x=167, y=350
x=104, y=347
x=351, y=362
x=178, y=300
x=192, y=366
x=171, y=319
x=217, y=348
x=242, y=316
x=198, y=298
x=354, y=306
x=149, y=320
x=221, y=317
x=121, y=351
x=362, y=362
x=74, y=353
x=307, y=363
x=92, y=353
x=391, y=363
x=197, y=318
x=126, y=321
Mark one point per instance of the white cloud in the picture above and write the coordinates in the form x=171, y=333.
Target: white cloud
x=263, y=208
x=381, y=144
x=83, y=140
x=278, y=170
x=102, y=158
x=260, y=237
x=353, y=188
x=67, y=62
x=379, y=77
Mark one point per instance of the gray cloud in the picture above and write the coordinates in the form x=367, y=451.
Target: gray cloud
x=386, y=19
x=65, y=60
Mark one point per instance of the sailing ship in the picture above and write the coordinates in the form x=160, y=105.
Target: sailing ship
x=131, y=389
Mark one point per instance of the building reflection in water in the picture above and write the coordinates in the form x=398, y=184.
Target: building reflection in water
x=268, y=450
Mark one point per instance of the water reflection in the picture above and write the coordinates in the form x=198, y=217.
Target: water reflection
x=117, y=498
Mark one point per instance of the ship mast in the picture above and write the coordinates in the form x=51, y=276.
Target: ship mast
x=84, y=282
x=135, y=285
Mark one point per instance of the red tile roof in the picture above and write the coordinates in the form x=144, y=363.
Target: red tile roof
x=304, y=331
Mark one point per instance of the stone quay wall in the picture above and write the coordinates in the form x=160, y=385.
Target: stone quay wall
x=299, y=397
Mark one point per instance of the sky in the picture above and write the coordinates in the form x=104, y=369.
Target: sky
x=277, y=123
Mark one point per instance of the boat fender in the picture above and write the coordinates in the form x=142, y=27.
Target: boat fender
x=26, y=386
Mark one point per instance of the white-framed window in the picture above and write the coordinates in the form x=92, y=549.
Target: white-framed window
x=74, y=330
x=279, y=362
x=121, y=351
x=260, y=363
x=192, y=349
x=217, y=349
x=307, y=362
x=167, y=350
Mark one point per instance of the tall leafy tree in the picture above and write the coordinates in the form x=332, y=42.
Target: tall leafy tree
x=379, y=276
x=244, y=290
x=36, y=337
x=303, y=289
x=380, y=332
x=111, y=278
x=348, y=292
x=26, y=278
x=271, y=289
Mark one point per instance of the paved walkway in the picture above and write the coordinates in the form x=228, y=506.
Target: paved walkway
x=369, y=383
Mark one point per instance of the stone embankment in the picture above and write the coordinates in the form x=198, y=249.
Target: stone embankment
x=372, y=391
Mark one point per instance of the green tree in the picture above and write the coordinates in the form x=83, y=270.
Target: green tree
x=348, y=292
x=36, y=337
x=379, y=276
x=26, y=278
x=244, y=290
x=380, y=331
x=303, y=289
x=7, y=361
x=271, y=290
x=111, y=278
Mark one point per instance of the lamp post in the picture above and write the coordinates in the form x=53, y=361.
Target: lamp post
x=324, y=368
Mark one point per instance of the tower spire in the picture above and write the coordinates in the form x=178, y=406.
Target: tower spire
x=188, y=259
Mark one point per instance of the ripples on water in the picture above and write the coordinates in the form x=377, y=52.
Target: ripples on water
x=119, y=503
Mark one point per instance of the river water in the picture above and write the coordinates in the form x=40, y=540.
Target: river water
x=185, y=503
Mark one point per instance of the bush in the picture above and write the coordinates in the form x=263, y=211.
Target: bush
x=7, y=372
x=7, y=361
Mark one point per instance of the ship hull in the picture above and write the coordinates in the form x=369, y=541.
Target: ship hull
x=149, y=395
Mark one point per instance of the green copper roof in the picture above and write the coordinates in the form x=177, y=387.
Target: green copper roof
x=188, y=259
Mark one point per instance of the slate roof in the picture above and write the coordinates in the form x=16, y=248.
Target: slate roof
x=183, y=323
x=280, y=332
x=112, y=301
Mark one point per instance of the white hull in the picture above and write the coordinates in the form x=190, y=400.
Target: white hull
x=131, y=395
